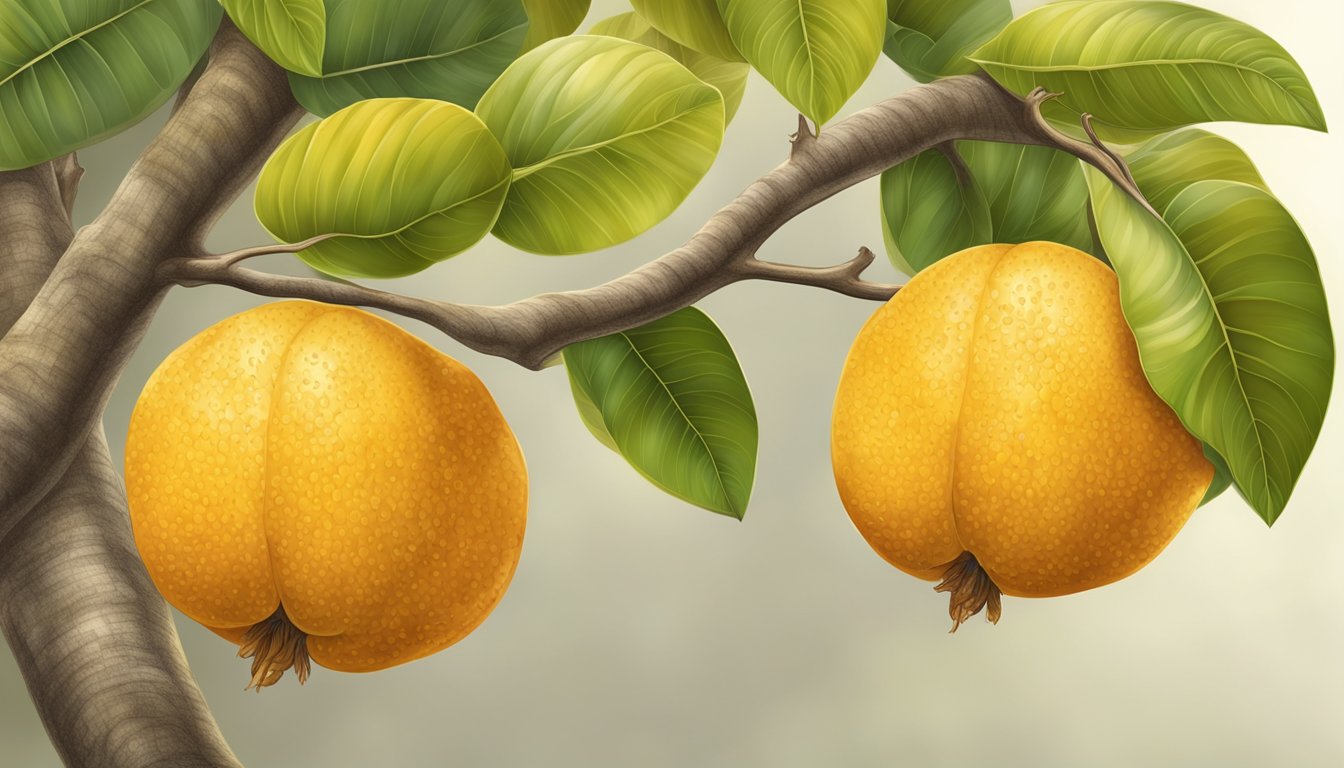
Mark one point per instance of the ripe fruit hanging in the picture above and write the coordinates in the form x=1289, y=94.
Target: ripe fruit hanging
x=994, y=430
x=308, y=480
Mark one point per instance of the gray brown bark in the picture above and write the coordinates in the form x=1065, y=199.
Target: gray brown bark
x=531, y=331
x=63, y=355
x=95, y=642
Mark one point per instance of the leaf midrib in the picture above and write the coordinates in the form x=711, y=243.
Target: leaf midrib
x=1142, y=63
x=416, y=59
x=531, y=168
x=713, y=460
x=51, y=52
x=1227, y=341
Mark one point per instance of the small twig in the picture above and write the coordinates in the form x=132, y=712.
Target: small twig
x=842, y=278
x=243, y=254
x=959, y=168
x=803, y=140
x=68, y=175
x=1095, y=152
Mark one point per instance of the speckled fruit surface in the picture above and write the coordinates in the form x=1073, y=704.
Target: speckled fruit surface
x=323, y=458
x=996, y=405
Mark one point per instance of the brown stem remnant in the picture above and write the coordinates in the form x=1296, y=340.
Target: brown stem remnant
x=274, y=646
x=971, y=590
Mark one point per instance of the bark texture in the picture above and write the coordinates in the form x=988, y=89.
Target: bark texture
x=63, y=355
x=95, y=642
x=531, y=331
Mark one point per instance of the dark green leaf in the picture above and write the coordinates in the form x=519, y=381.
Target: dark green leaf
x=1144, y=67
x=929, y=212
x=1170, y=163
x=1034, y=193
x=1005, y=193
x=930, y=39
x=1229, y=313
x=429, y=49
x=74, y=73
x=671, y=399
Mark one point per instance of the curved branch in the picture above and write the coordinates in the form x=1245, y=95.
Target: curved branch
x=531, y=331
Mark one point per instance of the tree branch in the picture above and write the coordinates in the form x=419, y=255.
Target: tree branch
x=59, y=362
x=91, y=635
x=95, y=642
x=531, y=331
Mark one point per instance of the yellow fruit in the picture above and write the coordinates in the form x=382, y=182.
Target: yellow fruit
x=993, y=428
x=310, y=480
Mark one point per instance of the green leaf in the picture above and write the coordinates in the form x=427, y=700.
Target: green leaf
x=930, y=211
x=730, y=77
x=815, y=52
x=671, y=399
x=292, y=32
x=930, y=39
x=1146, y=67
x=1169, y=163
x=404, y=183
x=75, y=73
x=1222, y=476
x=695, y=24
x=550, y=19
x=1004, y=193
x=428, y=49
x=1034, y=193
x=1229, y=313
x=606, y=137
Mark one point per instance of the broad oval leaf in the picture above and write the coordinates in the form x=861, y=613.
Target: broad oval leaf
x=1001, y=193
x=428, y=49
x=1169, y=163
x=72, y=74
x=293, y=33
x=1034, y=193
x=930, y=210
x=695, y=24
x=549, y=19
x=1140, y=66
x=402, y=183
x=606, y=137
x=1230, y=316
x=671, y=399
x=730, y=77
x=815, y=52
x=930, y=39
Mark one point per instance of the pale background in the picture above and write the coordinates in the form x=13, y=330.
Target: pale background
x=641, y=631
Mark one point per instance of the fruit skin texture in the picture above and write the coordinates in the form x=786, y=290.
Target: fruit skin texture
x=996, y=405
x=323, y=458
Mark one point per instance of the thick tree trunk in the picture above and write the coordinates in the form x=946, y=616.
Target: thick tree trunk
x=94, y=640
x=63, y=356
